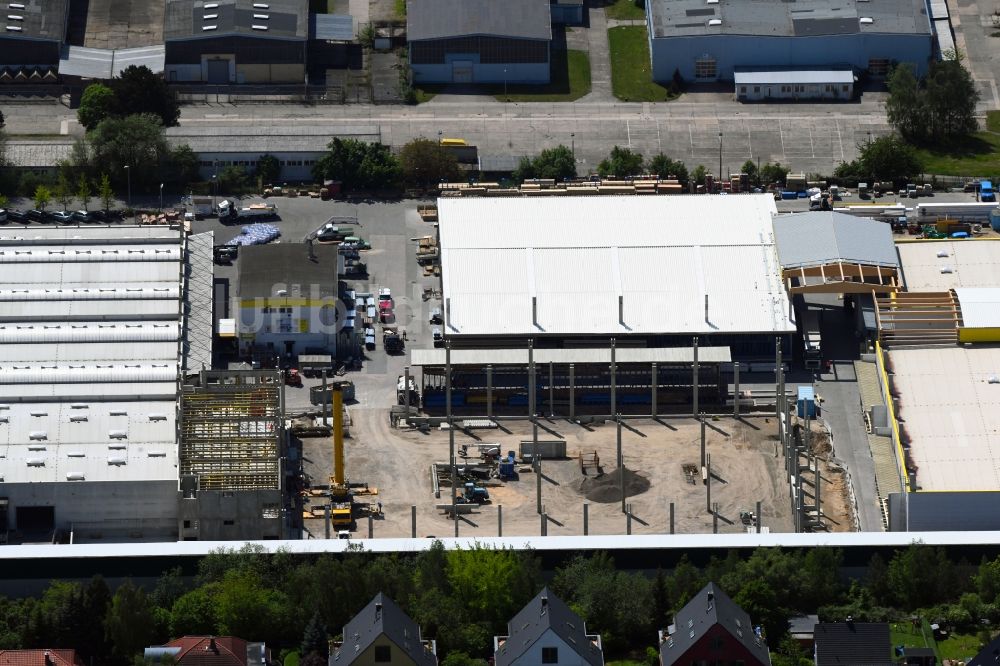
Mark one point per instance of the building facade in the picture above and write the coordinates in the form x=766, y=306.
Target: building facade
x=475, y=41
x=33, y=34
x=710, y=41
x=236, y=41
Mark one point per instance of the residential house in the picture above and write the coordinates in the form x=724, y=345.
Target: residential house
x=852, y=643
x=41, y=657
x=988, y=656
x=711, y=628
x=383, y=634
x=801, y=628
x=546, y=631
x=209, y=651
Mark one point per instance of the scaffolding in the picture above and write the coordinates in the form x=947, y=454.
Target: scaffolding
x=231, y=430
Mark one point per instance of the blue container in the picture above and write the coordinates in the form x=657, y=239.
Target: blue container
x=995, y=219
x=806, y=402
x=789, y=195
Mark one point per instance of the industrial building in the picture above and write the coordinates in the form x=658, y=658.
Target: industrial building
x=569, y=275
x=236, y=41
x=764, y=85
x=232, y=440
x=30, y=42
x=477, y=41
x=97, y=325
x=938, y=385
x=289, y=301
x=711, y=41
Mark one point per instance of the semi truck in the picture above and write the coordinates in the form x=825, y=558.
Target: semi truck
x=812, y=354
x=228, y=210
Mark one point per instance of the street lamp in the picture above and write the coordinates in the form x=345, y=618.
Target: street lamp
x=873, y=173
x=572, y=141
x=505, y=85
x=161, y=197
x=214, y=182
x=128, y=175
x=720, y=161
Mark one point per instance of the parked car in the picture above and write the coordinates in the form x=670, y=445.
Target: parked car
x=36, y=215
x=384, y=295
x=82, y=216
x=3, y=215
x=14, y=215
x=63, y=216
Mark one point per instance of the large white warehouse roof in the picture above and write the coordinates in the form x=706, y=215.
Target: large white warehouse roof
x=611, y=266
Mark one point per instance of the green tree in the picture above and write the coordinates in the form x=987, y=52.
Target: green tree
x=750, y=169
x=773, y=174
x=358, y=165
x=426, y=163
x=951, y=100
x=459, y=658
x=921, y=576
x=621, y=162
x=877, y=580
x=234, y=180
x=887, y=158
x=139, y=91
x=129, y=622
x=63, y=192
x=905, y=106
x=42, y=197
x=105, y=192
x=136, y=141
x=83, y=191
x=245, y=606
x=183, y=166
x=194, y=612
x=698, y=175
x=664, y=167
x=268, y=169
x=314, y=640
x=556, y=163
x=97, y=103
x=987, y=581
x=489, y=582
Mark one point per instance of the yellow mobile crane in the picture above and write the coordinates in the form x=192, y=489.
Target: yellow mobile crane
x=343, y=509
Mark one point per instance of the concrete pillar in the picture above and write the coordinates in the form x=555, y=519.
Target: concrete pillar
x=715, y=518
x=326, y=520
x=572, y=391
x=621, y=459
x=736, y=389
x=614, y=380
x=628, y=520
x=702, y=419
x=653, y=390
x=694, y=378
x=406, y=388
x=708, y=481
x=545, y=523
x=552, y=391
x=757, y=517
x=324, y=401
x=819, y=483
x=586, y=519
x=779, y=375
x=489, y=391
x=671, y=517
x=499, y=520
x=413, y=521
x=371, y=526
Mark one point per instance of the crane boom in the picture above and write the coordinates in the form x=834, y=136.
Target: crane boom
x=338, y=439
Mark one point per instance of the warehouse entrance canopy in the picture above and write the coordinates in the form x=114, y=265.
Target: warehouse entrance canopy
x=663, y=355
x=827, y=252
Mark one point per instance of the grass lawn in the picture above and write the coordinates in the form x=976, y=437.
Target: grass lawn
x=978, y=155
x=570, y=81
x=630, y=69
x=957, y=647
x=624, y=10
x=401, y=9
x=993, y=121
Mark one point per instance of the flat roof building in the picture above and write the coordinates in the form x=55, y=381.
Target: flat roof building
x=33, y=34
x=477, y=41
x=710, y=42
x=97, y=324
x=236, y=41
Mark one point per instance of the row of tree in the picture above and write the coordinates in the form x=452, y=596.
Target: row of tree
x=462, y=598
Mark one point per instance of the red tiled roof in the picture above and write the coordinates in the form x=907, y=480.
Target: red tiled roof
x=198, y=651
x=37, y=658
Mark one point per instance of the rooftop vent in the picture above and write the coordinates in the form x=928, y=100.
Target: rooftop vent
x=4, y=419
x=116, y=460
x=38, y=435
x=712, y=22
x=260, y=5
x=16, y=5
x=76, y=454
x=36, y=447
x=157, y=454
x=118, y=434
x=15, y=17
x=14, y=28
x=262, y=17
x=35, y=462
x=116, y=447
x=79, y=405
x=157, y=417
x=209, y=17
x=37, y=413
x=78, y=419
x=211, y=5
x=75, y=476
x=209, y=27
x=118, y=412
x=867, y=20
x=259, y=27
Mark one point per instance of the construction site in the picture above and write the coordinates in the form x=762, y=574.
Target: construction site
x=232, y=439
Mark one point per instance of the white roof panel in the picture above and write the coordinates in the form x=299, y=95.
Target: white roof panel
x=980, y=306
x=82, y=352
x=943, y=265
x=576, y=256
x=509, y=356
x=834, y=76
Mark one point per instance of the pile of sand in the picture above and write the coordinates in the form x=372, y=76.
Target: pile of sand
x=606, y=489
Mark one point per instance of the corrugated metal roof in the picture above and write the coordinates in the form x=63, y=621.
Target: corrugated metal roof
x=441, y=19
x=94, y=63
x=200, y=302
x=950, y=414
x=331, y=27
x=277, y=19
x=571, y=355
x=793, y=76
x=821, y=237
x=578, y=255
x=980, y=306
x=943, y=265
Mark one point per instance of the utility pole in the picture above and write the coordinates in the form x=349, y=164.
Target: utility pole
x=451, y=432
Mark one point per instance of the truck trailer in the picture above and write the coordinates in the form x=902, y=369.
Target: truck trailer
x=229, y=211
